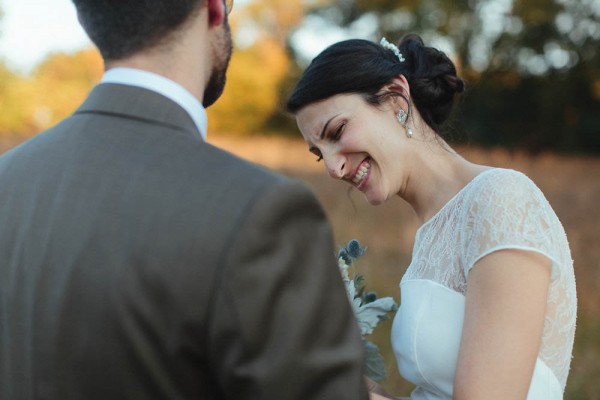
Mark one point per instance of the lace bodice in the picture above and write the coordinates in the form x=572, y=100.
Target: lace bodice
x=502, y=209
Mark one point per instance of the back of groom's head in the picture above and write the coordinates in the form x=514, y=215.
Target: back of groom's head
x=121, y=28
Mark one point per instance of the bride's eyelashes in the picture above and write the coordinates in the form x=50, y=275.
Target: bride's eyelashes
x=316, y=152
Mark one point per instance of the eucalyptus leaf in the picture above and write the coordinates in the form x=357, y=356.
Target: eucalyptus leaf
x=375, y=365
x=369, y=315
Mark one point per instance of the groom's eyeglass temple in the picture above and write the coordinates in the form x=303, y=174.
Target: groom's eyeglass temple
x=228, y=6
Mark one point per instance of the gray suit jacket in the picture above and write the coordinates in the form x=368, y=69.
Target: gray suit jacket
x=139, y=262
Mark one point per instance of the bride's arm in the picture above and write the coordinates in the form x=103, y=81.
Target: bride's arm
x=504, y=319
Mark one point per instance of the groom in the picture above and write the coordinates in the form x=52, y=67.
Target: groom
x=139, y=262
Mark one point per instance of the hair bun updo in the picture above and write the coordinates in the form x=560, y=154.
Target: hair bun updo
x=364, y=67
x=432, y=79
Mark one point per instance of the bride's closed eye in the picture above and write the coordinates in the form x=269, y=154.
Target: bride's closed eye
x=337, y=134
x=333, y=135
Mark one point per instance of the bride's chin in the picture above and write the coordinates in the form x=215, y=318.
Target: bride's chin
x=374, y=200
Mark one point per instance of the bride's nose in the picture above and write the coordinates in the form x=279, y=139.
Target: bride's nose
x=335, y=165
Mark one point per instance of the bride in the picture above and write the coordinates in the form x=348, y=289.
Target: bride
x=488, y=302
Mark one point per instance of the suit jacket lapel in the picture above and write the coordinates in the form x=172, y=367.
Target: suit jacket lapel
x=138, y=103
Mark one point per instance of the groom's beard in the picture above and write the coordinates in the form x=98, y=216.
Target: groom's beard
x=216, y=83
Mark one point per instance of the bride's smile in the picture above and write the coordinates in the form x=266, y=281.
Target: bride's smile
x=361, y=176
x=358, y=143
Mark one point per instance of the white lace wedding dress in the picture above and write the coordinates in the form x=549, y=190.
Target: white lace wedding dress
x=498, y=209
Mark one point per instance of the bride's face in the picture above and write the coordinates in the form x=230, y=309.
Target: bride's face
x=358, y=142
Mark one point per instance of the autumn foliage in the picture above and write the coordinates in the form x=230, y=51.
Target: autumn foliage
x=252, y=93
x=52, y=91
x=58, y=85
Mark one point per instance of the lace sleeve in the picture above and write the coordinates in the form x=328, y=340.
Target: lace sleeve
x=507, y=211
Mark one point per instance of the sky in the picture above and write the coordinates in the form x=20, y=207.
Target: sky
x=31, y=29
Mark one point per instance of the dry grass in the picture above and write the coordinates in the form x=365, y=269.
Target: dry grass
x=571, y=184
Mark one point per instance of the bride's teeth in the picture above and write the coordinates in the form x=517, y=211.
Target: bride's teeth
x=362, y=171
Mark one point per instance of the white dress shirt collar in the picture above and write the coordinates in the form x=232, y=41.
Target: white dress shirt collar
x=161, y=85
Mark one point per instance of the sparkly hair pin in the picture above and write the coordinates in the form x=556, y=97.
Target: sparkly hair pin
x=389, y=46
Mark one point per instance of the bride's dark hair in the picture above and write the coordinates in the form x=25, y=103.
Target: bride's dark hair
x=363, y=67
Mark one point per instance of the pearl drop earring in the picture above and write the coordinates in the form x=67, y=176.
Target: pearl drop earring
x=402, y=117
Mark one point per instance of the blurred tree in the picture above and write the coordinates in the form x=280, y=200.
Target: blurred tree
x=15, y=93
x=259, y=67
x=532, y=67
x=15, y=120
x=53, y=91
x=61, y=83
x=554, y=64
x=252, y=92
x=271, y=18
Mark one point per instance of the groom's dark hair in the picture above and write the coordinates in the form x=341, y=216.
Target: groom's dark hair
x=120, y=28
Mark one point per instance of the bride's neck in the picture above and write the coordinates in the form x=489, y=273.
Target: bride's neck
x=436, y=176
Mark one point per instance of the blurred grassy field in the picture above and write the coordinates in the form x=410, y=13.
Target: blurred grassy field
x=571, y=184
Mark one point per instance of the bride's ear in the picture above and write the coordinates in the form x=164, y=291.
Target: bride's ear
x=400, y=85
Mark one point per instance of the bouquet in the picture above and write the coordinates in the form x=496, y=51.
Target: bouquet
x=368, y=309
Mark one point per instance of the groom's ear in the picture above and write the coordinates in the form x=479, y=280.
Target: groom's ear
x=216, y=12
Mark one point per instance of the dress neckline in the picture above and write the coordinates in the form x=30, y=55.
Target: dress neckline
x=453, y=199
